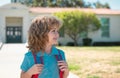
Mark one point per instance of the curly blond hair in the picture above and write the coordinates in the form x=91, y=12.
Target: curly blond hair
x=38, y=32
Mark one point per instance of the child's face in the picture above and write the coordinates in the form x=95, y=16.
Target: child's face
x=53, y=36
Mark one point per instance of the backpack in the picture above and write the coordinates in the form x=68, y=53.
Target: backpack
x=58, y=58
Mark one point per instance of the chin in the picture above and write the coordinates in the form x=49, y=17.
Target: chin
x=56, y=43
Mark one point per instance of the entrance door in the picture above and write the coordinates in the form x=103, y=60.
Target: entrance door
x=14, y=34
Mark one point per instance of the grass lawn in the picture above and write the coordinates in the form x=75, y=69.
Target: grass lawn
x=93, y=62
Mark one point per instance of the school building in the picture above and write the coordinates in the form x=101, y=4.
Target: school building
x=16, y=18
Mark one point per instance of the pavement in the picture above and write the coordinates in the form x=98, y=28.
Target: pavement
x=11, y=56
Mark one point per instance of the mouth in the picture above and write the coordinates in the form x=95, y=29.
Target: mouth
x=55, y=38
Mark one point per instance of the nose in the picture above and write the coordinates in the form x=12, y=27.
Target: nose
x=57, y=34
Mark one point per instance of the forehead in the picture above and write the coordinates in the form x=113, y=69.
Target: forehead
x=54, y=27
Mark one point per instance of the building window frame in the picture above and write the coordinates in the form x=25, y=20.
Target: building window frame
x=105, y=28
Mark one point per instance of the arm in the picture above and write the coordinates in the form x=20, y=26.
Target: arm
x=63, y=66
x=25, y=75
x=66, y=71
x=35, y=69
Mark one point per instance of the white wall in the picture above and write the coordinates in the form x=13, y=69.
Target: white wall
x=114, y=30
x=14, y=21
x=2, y=27
x=14, y=12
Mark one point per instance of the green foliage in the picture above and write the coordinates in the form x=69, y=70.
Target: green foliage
x=64, y=3
x=100, y=5
x=76, y=22
x=115, y=62
x=36, y=3
x=93, y=76
x=74, y=67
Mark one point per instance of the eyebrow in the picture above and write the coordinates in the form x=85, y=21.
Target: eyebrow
x=53, y=28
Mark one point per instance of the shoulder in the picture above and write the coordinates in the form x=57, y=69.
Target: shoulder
x=28, y=56
x=29, y=53
x=61, y=51
x=57, y=51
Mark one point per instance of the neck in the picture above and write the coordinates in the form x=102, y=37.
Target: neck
x=48, y=48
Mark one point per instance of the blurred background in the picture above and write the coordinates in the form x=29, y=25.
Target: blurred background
x=89, y=34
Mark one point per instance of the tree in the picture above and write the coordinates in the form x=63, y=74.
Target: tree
x=36, y=3
x=80, y=3
x=107, y=5
x=77, y=22
x=39, y=3
x=64, y=3
x=56, y=3
x=100, y=5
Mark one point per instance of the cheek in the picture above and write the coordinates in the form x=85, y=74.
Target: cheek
x=50, y=38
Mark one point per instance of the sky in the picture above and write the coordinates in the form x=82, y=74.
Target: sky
x=114, y=4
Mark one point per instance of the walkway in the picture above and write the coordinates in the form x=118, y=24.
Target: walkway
x=11, y=56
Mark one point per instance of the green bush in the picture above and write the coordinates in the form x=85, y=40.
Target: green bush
x=93, y=76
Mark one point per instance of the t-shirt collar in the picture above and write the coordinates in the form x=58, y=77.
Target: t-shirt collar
x=54, y=51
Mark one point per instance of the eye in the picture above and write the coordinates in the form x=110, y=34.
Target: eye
x=57, y=31
x=53, y=30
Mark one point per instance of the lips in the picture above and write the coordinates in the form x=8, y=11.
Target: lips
x=54, y=38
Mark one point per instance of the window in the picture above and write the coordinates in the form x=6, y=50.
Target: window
x=105, y=28
x=83, y=34
x=15, y=1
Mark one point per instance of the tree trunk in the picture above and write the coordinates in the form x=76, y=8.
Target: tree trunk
x=75, y=42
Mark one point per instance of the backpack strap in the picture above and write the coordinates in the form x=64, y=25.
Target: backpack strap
x=35, y=60
x=58, y=57
x=41, y=59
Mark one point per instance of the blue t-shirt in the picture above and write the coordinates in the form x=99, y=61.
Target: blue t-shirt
x=50, y=69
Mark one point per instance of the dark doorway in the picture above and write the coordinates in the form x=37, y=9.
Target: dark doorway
x=14, y=34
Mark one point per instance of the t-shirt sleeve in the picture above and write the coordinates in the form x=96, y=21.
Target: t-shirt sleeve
x=63, y=55
x=24, y=66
